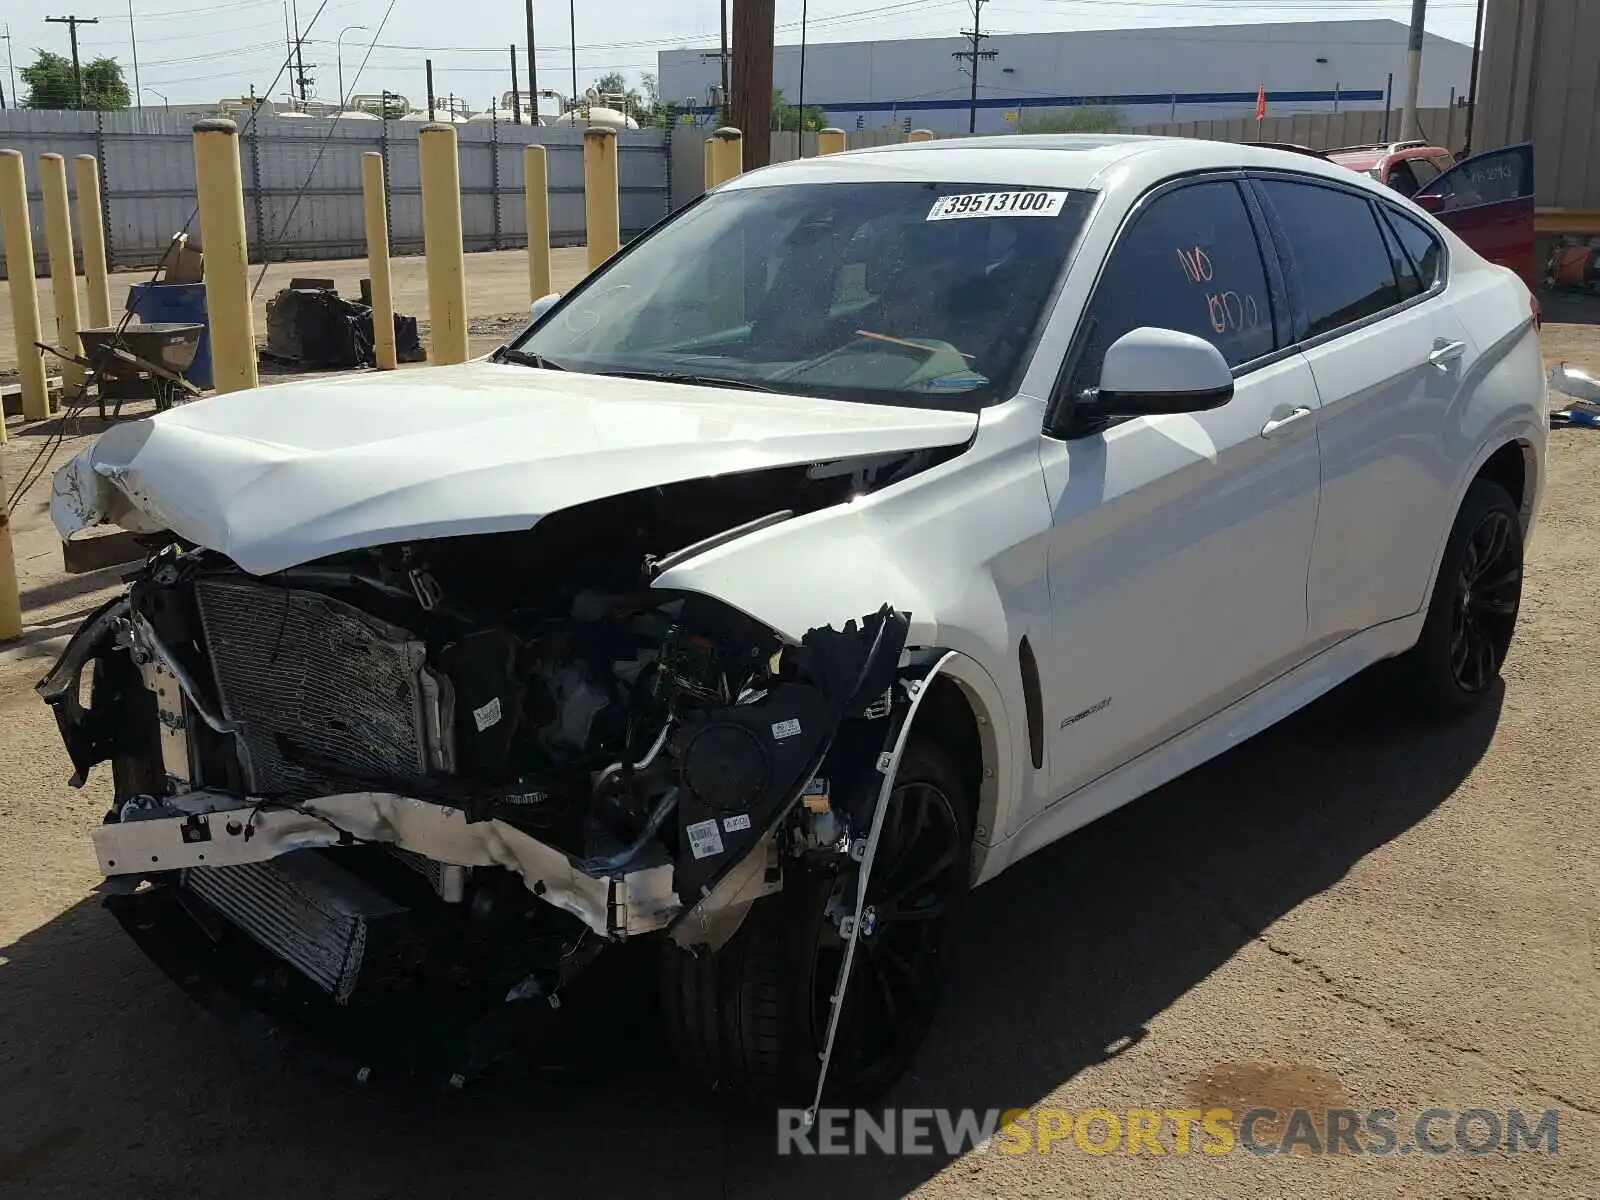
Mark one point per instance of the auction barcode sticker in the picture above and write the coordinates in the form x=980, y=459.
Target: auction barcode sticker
x=704, y=838
x=997, y=204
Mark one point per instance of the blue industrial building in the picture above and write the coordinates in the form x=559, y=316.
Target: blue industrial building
x=1148, y=75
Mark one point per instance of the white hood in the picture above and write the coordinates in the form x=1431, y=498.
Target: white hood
x=283, y=475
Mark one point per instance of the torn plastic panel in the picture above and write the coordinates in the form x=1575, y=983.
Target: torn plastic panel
x=865, y=853
x=745, y=768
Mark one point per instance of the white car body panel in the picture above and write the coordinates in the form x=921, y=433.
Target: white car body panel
x=1207, y=579
x=1177, y=568
x=280, y=476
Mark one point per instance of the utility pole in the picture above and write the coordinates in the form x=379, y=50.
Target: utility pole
x=1408, y=114
x=800, y=104
x=1472, y=86
x=516, y=92
x=302, y=80
x=133, y=40
x=752, y=78
x=976, y=37
x=533, y=71
x=11, y=69
x=72, y=23
x=722, y=51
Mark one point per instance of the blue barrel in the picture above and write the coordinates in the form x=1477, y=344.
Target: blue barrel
x=177, y=302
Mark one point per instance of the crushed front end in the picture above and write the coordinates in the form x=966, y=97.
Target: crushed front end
x=407, y=796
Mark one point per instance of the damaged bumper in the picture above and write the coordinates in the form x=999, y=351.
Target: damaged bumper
x=213, y=830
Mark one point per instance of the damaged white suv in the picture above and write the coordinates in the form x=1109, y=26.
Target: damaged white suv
x=873, y=522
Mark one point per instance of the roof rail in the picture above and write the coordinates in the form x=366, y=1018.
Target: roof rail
x=1386, y=147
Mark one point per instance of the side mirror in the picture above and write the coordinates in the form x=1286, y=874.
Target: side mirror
x=1148, y=372
x=543, y=305
x=1428, y=202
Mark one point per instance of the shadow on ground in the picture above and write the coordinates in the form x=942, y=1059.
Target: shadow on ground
x=112, y=1083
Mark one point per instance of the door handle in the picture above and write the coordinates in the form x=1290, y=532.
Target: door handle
x=1446, y=352
x=1274, y=427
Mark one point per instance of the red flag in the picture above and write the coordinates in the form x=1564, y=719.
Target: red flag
x=1261, y=103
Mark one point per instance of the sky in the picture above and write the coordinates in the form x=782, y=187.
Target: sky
x=198, y=51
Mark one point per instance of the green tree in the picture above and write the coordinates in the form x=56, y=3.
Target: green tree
x=1088, y=119
x=51, y=85
x=787, y=118
x=614, y=92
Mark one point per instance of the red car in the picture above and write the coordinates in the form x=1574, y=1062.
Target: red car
x=1486, y=199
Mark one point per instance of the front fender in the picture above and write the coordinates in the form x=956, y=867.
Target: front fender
x=793, y=580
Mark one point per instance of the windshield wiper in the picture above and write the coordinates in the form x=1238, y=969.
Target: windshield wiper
x=527, y=359
x=686, y=377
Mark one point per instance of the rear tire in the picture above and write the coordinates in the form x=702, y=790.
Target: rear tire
x=754, y=1014
x=1472, y=614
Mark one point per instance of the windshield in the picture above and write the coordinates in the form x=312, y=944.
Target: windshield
x=903, y=293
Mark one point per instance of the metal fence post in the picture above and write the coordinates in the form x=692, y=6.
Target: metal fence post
x=105, y=185
x=257, y=201
x=671, y=118
x=494, y=172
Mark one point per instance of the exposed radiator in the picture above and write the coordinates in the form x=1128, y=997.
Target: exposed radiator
x=327, y=695
x=306, y=910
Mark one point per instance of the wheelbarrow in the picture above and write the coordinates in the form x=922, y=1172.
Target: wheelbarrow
x=138, y=360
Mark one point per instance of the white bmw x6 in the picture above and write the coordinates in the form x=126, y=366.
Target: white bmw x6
x=868, y=525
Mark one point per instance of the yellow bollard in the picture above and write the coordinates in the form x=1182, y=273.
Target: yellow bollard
x=24, y=289
x=920, y=135
x=63, y=266
x=91, y=227
x=441, y=242
x=600, y=197
x=10, y=599
x=830, y=141
x=372, y=195
x=227, y=259
x=711, y=164
x=536, y=199
x=727, y=154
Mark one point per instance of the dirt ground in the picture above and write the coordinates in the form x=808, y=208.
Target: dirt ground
x=1347, y=910
x=497, y=285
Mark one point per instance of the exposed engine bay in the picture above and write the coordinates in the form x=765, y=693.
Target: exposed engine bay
x=456, y=769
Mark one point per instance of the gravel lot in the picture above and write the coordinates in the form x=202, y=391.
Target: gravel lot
x=1349, y=910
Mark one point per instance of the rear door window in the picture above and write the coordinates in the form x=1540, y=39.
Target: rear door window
x=1190, y=261
x=1340, y=260
x=1493, y=177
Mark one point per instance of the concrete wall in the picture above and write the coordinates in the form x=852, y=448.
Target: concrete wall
x=1541, y=84
x=1179, y=74
x=302, y=179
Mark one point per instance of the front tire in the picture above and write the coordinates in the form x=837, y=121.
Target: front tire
x=1472, y=614
x=754, y=1015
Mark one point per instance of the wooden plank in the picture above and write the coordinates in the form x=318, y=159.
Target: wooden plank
x=1584, y=222
x=11, y=395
